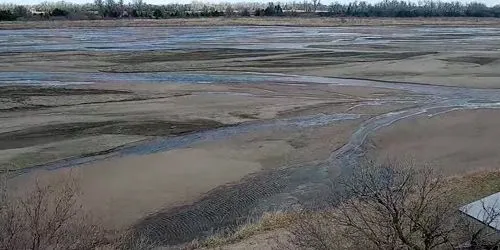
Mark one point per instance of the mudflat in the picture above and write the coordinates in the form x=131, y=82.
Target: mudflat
x=456, y=142
x=180, y=131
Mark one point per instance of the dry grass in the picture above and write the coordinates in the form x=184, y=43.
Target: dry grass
x=464, y=189
x=268, y=222
x=474, y=186
x=267, y=21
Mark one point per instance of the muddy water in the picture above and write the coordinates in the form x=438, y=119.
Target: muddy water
x=273, y=189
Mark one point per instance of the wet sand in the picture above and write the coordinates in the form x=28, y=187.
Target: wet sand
x=456, y=56
x=182, y=175
x=456, y=142
x=46, y=124
x=187, y=130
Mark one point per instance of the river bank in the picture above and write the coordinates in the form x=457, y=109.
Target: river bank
x=255, y=21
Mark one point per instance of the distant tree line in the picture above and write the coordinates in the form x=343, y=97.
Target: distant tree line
x=270, y=10
x=410, y=9
x=139, y=9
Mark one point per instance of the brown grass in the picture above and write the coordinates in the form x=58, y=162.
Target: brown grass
x=473, y=186
x=465, y=189
x=268, y=222
x=254, y=21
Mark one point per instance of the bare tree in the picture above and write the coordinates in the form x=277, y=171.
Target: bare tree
x=305, y=6
x=47, y=216
x=316, y=3
x=111, y=9
x=139, y=7
x=121, y=8
x=393, y=205
x=100, y=6
x=229, y=12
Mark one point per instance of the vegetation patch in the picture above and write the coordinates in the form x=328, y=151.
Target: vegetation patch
x=268, y=222
x=138, y=9
x=473, y=186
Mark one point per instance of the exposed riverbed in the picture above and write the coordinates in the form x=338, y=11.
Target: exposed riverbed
x=247, y=99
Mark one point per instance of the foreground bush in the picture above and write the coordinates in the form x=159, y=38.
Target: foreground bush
x=47, y=216
x=393, y=205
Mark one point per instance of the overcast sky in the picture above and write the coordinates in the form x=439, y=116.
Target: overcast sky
x=487, y=2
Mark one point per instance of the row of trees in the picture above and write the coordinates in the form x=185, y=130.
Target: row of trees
x=410, y=9
x=110, y=8
x=140, y=9
x=43, y=11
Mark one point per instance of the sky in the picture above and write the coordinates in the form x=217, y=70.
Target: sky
x=487, y=2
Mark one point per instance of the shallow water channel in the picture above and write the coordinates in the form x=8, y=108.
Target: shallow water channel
x=271, y=189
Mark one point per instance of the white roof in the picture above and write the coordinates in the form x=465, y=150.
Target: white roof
x=485, y=210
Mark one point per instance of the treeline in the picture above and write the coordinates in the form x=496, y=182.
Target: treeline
x=139, y=9
x=409, y=9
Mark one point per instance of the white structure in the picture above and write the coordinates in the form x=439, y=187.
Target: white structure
x=35, y=12
x=485, y=210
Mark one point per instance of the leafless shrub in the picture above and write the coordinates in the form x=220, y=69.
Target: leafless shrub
x=392, y=205
x=47, y=216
